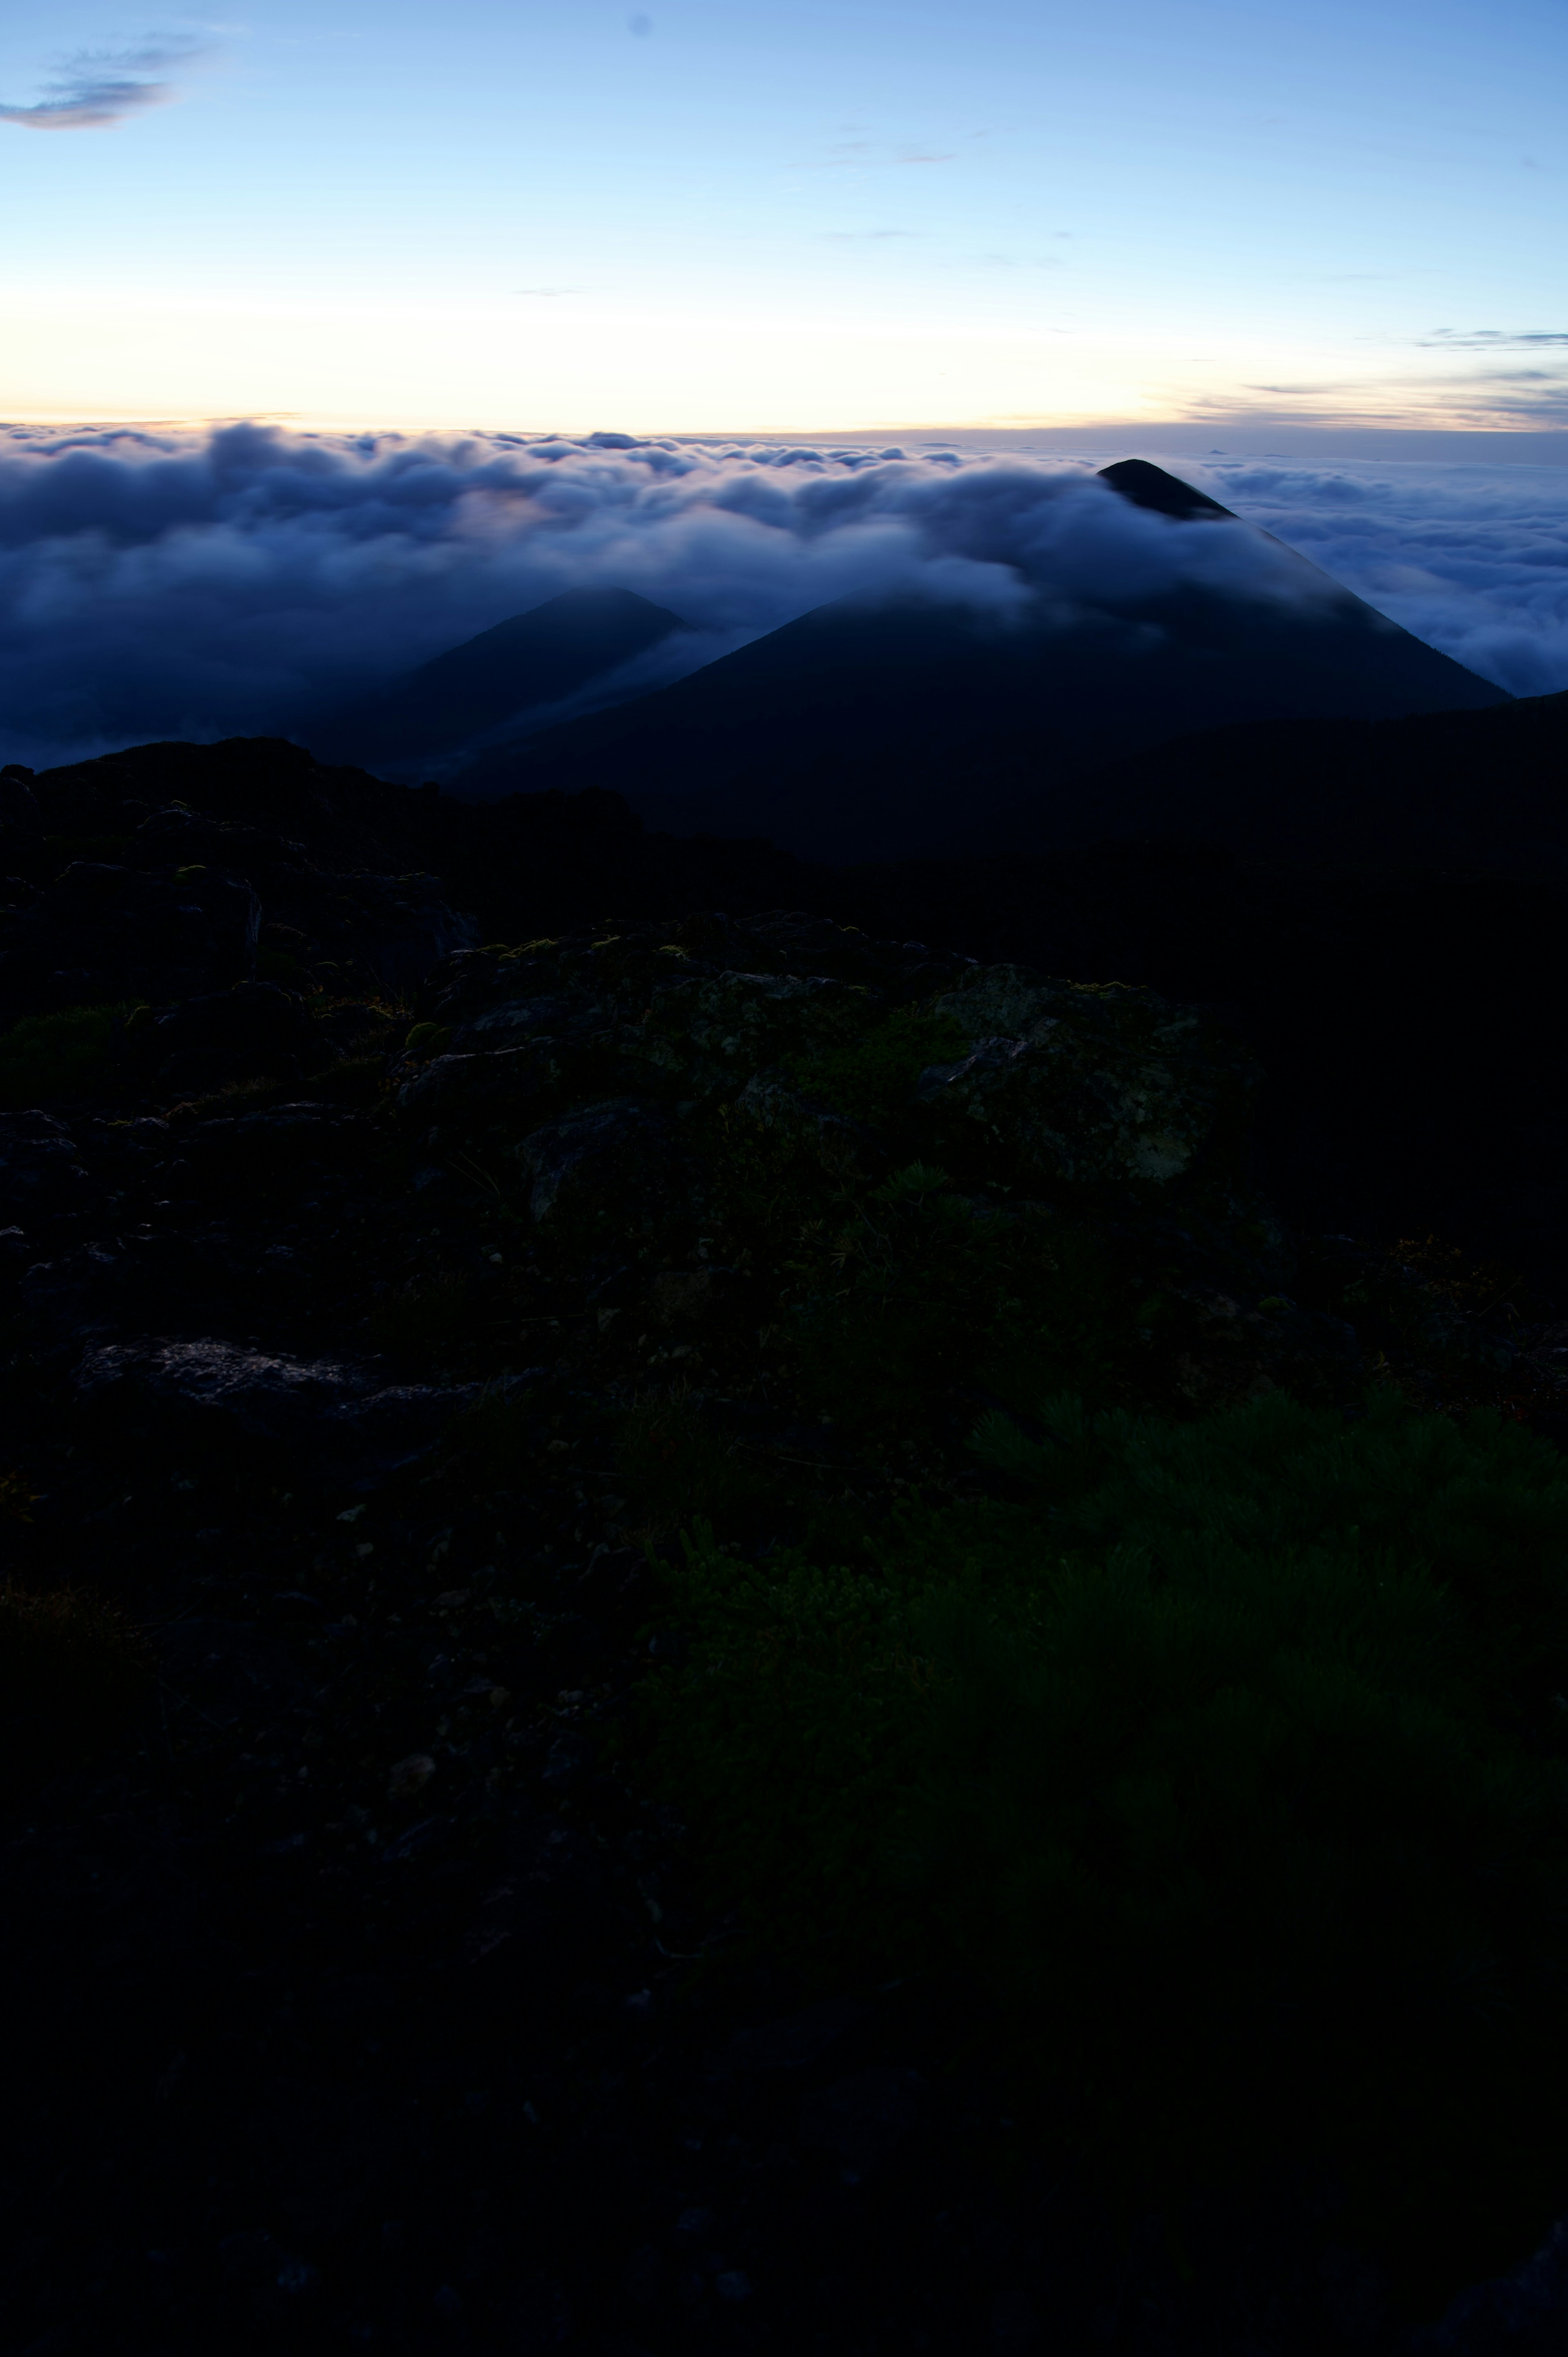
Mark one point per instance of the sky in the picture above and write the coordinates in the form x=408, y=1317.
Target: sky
x=726, y=216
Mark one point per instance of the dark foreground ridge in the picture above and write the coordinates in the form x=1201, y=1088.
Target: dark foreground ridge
x=717, y=1642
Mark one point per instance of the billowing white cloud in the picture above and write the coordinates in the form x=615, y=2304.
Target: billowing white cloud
x=1472, y=558
x=232, y=582
x=92, y=89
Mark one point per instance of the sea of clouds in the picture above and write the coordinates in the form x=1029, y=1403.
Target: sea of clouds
x=237, y=581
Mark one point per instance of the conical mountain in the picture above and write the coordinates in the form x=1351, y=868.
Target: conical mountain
x=532, y=660
x=872, y=729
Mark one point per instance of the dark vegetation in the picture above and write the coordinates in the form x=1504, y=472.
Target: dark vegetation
x=727, y=1634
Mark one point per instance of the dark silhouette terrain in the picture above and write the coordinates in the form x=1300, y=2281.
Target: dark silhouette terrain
x=424, y=1223
x=1487, y=789
x=532, y=660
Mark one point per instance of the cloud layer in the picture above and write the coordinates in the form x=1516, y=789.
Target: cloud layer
x=1474, y=559
x=162, y=584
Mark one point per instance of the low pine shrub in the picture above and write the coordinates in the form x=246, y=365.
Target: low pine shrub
x=919, y=1296
x=1230, y=1758
x=677, y=1466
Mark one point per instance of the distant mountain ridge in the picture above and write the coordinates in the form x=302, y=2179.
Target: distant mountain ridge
x=899, y=727
x=532, y=659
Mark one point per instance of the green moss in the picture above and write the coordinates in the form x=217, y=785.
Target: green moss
x=46, y=1055
x=428, y=1039
x=871, y=1079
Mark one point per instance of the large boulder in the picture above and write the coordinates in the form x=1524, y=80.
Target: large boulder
x=611, y=1159
x=1091, y=1085
x=325, y=1415
x=39, y=1169
x=478, y=1085
x=712, y=1034
x=103, y=933
x=254, y=1031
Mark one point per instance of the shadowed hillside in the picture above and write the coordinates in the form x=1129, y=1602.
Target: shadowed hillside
x=534, y=659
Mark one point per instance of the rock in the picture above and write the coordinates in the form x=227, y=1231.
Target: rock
x=410, y=1776
x=256, y=1148
x=476, y=1084
x=208, y=1394
x=254, y=1031
x=19, y=812
x=604, y=1157
x=795, y=2041
x=101, y=934
x=770, y=1101
x=717, y=1033
x=1521, y=2315
x=683, y=1296
x=865, y=2116
x=1092, y=1085
x=40, y=1170
x=229, y=1668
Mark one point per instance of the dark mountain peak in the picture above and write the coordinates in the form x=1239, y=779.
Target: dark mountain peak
x=1148, y=485
x=572, y=611
x=529, y=660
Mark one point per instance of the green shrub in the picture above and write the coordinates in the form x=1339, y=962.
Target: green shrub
x=46, y=1055
x=679, y=1469
x=1230, y=1760
x=919, y=1296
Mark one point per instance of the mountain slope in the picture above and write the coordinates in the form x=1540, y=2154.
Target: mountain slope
x=530, y=660
x=868, y=729
x=1485, y=788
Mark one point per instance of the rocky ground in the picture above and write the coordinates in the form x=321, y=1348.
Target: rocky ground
x=381, y=1307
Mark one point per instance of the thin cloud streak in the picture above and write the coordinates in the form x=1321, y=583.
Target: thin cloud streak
x=94, y=90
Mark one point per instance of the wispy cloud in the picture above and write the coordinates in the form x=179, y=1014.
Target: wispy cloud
x=1491, y=340
x=92, y=89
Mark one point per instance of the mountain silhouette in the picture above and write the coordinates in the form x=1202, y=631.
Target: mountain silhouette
x=530, y=661
x=1471, y=790
x=874, y=728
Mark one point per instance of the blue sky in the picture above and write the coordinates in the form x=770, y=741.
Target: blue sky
x=716, y=215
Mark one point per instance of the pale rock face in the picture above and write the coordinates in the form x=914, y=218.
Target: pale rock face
x=1096, y=1084
x=574, y=1062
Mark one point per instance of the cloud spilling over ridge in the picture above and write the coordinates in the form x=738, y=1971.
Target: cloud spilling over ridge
x=92, y=89
x=156, y=583
x=1472, y=558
